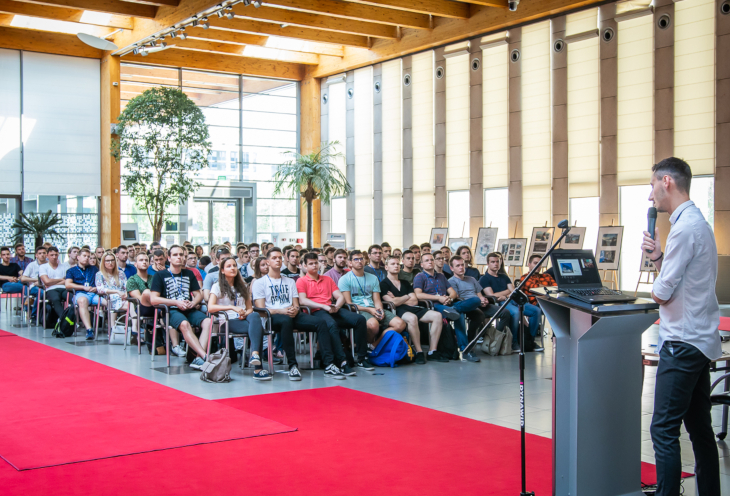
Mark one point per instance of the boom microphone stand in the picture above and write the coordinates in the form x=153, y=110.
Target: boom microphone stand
x=520, y=300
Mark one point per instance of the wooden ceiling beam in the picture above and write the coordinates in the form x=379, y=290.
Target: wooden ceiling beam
x=267, y=28
x=46, y=42
x=242, y=50
x=305, y=46
x=306, y=20
x=440, y=8
x=349, y=10
x=192, y=59
x=6, y=20
x=61, y=14
x=157, y=3
x=488, y=3
x=226, y=36
x=107, y=6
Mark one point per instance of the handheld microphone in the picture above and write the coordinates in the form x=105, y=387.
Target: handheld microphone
x=651, y=218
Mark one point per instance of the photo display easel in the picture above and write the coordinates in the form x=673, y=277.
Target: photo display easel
x=608, y=253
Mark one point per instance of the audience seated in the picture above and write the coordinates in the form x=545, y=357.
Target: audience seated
x=340, y=266
x=203, y=262
x=243, y=263
x=416, y=253
x=376, y=267
x=178, y=288
x=363, y=289
x=98, y=253
x=111, y=283
x=317, y=292
x=82, y=278
x=211, y=277
x=93, y=260
x=231, y=294
x=139, y=286
x=53, y=275
x=191, y=263
x=385, y=246
x=30, y=277
x=397, y=253
x=122, y=257
x=292, y=264
x=400, y=293
x=20, y=257
x=438, y=264
x=329, y=253
x=10, y=274
x=537, y=280
x=425, y=248
x=465, y=253
x=158, y=265
x=446, y=256
x=72, y=254
x=322, y=263
x=500, y=286
x=408, y=273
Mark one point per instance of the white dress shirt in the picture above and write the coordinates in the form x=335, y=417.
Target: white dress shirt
x=687, y=283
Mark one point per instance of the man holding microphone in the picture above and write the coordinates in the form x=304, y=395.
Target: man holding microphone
x=688, y=332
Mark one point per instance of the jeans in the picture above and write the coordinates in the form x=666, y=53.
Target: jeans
x=330, y=344
x=463, y=307
x=251, y=326
x=34, y=291
x=682, y=393
x=285, y=325
x=57, y=297
x=481, y=316
x=533, y=314
x=13, y=288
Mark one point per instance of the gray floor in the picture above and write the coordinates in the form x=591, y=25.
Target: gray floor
x=486, y=391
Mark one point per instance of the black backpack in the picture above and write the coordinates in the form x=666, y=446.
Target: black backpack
x=68, y=322
x=447, y=342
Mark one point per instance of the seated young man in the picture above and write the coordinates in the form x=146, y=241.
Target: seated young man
x=139, y=287
x=158, y=265
x=178, y=288
x=53, y=275
x=376, y=267
x=425, y=248
x=363, y=289
x=537, y=280
x=417, y=253
x=278, y=294
x=329, y=253
x=400, y=293
x=20, y=257
x=408, y=272
x=316, y=291
x=430, y=285
x=243, y=263
x=468, y=287
x=122, y=259
x=30, y=278
x=387, y=249
x=292, y=264
x=213, y=274
x=82, y=278
x=191, y=263
x=340, y=266
x=500, y=286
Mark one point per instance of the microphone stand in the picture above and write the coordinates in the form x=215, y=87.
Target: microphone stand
x=520, y=300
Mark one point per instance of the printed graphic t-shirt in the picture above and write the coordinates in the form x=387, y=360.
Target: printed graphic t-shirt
x=278, y=293
x=175, y=286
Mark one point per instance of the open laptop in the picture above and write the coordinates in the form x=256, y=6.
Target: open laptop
x=576, y=273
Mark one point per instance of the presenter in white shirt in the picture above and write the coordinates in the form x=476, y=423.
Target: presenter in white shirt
x=688, y=332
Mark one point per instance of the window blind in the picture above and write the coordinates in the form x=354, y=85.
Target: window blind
x=581, y=22
x=61, y=125
x=10, y=122
x=337, y=116
x=694, y=84
x=584, y=100
x=363, y=157
x=495, y=116
x=635, y=138
x=392, y=155
x=457, y=122
x=536, y=127
x=424, y=206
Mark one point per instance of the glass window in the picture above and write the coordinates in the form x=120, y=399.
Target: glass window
x=584, y=213
x=702, y=192
x=496, y=211
x=458, y=214
x=338, y=212
x=632, y=209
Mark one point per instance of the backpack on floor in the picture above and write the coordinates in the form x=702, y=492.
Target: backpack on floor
x=68, y=322
x=217, y=368
x=447, y=342
x=391, y=349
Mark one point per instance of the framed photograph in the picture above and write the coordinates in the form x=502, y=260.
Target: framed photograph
x=455, y=243
x=486, y=241
x=608, y=247
x=512, y=250
x=541, y=241
x=574, y=239
x=646, y=264
x=438, y=237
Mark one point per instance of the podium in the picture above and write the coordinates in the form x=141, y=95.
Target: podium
x=597, y=385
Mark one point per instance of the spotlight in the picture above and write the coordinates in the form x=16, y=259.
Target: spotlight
x=183, y=36
x=219, y=13
x=205, y=25
x=230, y=15
x=135, y=50
x=195, y=22
x=204, y=19
x=144, y=53
x=173, y=34
x=163, y=45
x=246, y=3
x=153, y=43
x=513, y=4
x=257, y=3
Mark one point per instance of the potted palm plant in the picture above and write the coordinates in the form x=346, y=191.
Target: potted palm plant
x=38, y=225
x=316, y=176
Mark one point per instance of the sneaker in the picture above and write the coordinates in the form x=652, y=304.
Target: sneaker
x=437, y=357
x=537, y=347
x=420, y=359
x=333, y=372
x=347, y=370
x=177, y=351
x=89, y=334
x=294, y=374
x=471, y=357
x=261, y=375
x=515, y=347
x=364, y=364
x=197, y=364
x=255, y=361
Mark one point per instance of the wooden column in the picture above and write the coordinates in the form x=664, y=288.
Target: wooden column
x=476, y=166
x=110, y=170
x=350, y=160
x=559, y=56
x=439, y=102
x=663, y=96
x=325, y=210
x=514, y=207
x=377, y=154
x=309, y=141
x=722, y=140
x=407, y=144
x=608, y=201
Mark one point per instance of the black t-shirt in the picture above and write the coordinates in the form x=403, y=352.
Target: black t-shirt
x=499, y=283
x=387, y=285
x=10, y=270
x=175, y=287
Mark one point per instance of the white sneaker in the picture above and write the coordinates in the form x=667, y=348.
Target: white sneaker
x=177, y=351
x=294, y=374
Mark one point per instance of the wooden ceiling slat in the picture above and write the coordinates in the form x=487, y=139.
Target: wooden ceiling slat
x=107, y=6
x=441, y=8
x=46, y=42
x=61, y=14
x=6, y=19
x=227, y=36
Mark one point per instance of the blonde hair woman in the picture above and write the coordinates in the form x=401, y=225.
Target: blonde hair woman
x=112, y=283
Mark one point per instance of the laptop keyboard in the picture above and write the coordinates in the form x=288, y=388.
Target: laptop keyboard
x=595, y=292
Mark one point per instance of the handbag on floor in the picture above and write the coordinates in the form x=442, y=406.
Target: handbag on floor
x=217, y=368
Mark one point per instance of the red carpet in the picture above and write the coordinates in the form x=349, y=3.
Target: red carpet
x=5, y=334
x=347, y=443
x=58, y=408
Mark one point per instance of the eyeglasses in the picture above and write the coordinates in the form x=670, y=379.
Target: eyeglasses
x=438, y=259
x=358, y=259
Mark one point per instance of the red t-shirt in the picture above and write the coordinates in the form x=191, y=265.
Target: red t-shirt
x=319, y=291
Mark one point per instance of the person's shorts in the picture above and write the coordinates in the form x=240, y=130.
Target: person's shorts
x=385, y=323
x=92, y=298
x=146, y=311
x=194, y=316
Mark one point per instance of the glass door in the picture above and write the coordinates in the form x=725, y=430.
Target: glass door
x=224, y=222
x=199, y=224
x=213, y=222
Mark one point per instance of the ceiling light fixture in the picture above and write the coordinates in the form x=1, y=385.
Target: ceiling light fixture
x=246, y=3
x=257, y=3
x=230, y=15
x=219, y=13
x=183, y=36
x=205, y=25
x=96, y=42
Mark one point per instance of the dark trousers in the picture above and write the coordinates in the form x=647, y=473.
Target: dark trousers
x=682, y=393
x=285, y=325
x=57, y=297
x=480, y=316
x=330, y=344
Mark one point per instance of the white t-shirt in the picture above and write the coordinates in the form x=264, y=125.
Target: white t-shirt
x=32, y=271
x=225, y=300
x=279, y=293
x=57, y=273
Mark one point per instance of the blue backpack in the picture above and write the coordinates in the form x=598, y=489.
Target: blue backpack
x=392, y=348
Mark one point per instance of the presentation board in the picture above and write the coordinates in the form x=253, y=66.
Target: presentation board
x=574, y=239
x=486, y=243
x=541, y=241
x=438, y=237
x=513, y=251
x=608, y=247
x=455, y=243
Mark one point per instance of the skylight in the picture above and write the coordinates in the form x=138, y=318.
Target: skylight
x=38, y=23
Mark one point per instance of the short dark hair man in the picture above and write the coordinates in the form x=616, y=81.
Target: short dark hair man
x=409, y=271
x=376, y=266
x=122, y=262
x=339, y=266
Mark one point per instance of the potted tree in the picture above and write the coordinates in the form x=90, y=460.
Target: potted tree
x=315, y=176
x=37, y=225
x=163, y=136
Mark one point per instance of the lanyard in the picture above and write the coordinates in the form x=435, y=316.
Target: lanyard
x=435, y=281
x=357, y=280
x=378, y=273
x=281, y=287
x=86, y=279
x=178, y=286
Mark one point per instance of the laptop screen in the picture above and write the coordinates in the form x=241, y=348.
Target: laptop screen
x=575, y=268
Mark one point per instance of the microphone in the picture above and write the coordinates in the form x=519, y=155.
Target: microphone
x=563, y=224
x=651, y=218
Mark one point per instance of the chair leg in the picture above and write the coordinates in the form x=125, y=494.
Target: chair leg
x=126, y=327
x=154, y=336
x=139, y=334
x=167, y=337
x=311, y=350
x=271, y=355
x=210, y=336
x=243, y=352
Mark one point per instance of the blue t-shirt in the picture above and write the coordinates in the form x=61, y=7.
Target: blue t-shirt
x=83, y=277
x=433, y=285
x=361, y=288
x=129, y=270
x=379, y=273
x=499, y=283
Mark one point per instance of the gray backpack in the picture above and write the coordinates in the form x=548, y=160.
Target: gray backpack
x=217, y=367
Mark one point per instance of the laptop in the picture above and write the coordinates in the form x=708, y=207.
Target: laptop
x=576, y=273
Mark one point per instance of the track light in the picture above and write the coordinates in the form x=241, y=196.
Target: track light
x=246, y=3
x=183, y=36
x=257, y=3
x=173, y=34
x=195, y=23
x=230, y=15
x=143, y=53
x=153, y=43
x=135, y=50
x=219, y=14
x=204, y=19
x=205, y=25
